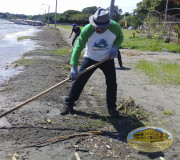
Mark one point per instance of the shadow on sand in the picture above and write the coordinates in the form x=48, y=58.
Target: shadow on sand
x=123, y=68
x=123, y=125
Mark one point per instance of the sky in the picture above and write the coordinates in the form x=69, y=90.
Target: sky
x=35, y=7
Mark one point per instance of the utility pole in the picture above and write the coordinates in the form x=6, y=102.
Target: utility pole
x=44, y=16
x=48, y=12
x=111, y=9
x=165, y=18
x=55, y=16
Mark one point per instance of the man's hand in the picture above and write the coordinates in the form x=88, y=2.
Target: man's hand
x=113, y=52
x=74, y=73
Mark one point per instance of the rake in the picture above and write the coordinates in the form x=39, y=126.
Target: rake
x=51, y=88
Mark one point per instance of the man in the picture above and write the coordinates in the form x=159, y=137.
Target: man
x=77, y=31
x=102, y=38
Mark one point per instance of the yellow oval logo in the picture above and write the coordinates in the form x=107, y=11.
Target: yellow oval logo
x=150, y=139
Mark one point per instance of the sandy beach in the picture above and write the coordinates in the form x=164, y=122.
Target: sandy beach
x=40, y=120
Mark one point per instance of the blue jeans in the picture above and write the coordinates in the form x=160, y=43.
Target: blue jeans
x=76, y=35
x=109, y=71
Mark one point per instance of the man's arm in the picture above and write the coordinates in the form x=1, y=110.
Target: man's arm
x=116, y=29
x=71, y=33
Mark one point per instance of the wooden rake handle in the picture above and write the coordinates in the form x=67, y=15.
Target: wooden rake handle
x=51, y=88
x=92, y=66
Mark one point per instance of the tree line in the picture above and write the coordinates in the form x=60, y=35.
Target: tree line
x=134, y=19
x=69, y=16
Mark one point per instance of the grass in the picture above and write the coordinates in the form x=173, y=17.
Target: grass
x=93, y=124
x=175, y=131
x=24, y=62
x=67, y=26
x=23, y=37
x=161, y=72
x=62, y=51
x=147, y=44
x=141, y=43
x=167, y=112
x=6, y=89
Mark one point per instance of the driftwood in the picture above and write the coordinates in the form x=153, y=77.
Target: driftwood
x=13, y=158
x=66, y=137
x=77, y=156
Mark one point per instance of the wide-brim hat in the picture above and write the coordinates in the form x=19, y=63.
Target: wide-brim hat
x=100, y=18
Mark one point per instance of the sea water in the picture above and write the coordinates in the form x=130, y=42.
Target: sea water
x=11, y=49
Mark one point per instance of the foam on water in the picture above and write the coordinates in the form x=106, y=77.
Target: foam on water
x=11, y=49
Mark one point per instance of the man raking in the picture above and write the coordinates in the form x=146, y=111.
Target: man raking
x=102, y=37
x=77, y=31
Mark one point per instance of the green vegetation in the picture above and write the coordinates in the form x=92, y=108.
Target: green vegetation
x=133, y=40
x=67, y=26
x=167, y=112
x=176, y=27
x=23, y=37
x=91, y=124
x=140, y=17
x=64, y=26
x=66, y=67
x=161, y=72
x=129, y=34
x=62, y=51
x=175, y=131
x=24, y=62
x=6, y=89
x=134, y=19
x=147, y=44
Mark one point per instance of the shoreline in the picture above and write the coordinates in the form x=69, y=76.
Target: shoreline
x=15, y=51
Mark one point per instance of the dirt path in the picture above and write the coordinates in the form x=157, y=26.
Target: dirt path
x=154, y=98
x=40, y=120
